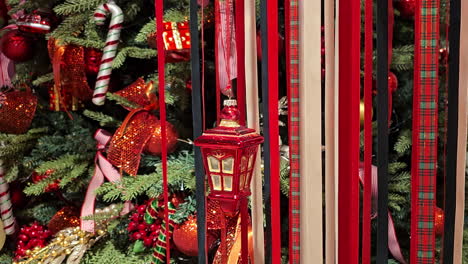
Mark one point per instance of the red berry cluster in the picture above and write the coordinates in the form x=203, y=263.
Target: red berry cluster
x=53, y=187
x=31, y=237
x=140, y=230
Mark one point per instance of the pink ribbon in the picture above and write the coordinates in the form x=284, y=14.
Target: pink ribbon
x=7, y=66
x=393, y=244
x=226, y=52
x=104, y=170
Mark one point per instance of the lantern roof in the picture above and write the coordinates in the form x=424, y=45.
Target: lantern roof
x=229, y=132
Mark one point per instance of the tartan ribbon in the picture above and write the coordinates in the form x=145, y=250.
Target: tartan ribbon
x=424, y=151
x=292, y=71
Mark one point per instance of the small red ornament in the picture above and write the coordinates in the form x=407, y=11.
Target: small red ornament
x=29, y=237
x=53, y=187
x=407, y=8
x=185, y=237
x=439, y=221
x=18, y=198
x=92, y=60
x=392, y=82
x=139, y=229
x=66, y=217
x=16, y=46
x=40, y=21
x=153, y=146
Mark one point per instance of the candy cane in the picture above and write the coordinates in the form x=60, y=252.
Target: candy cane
x=6, y=208
x=113, y=36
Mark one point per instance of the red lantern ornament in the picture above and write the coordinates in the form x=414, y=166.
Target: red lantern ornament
x=16, y=46
x=229, y=151
x=439, y=217
x=153, y=146
x=40, y=21
x=407, y=8
x=92, y=59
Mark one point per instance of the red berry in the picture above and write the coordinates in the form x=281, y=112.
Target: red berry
x=148, y=242
x=154, y=227
x=136, y=236
x=23, y=237
x=141, y=227
x=131, y=226
x=141, y=209
x=134, y=217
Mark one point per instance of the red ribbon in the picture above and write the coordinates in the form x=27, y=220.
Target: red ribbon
x=104, y=170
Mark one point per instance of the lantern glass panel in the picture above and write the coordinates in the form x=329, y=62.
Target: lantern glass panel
x=228, y=165
x=227, y=183
x=213, y=164
x=251, y=161
x=216, y=182
x=243, y=163
x=242, y=181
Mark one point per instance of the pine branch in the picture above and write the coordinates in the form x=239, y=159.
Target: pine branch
x=77, y=6
x=43, y=79
x=403, y=144
x=70, y=26
x=103, y=119
x=121, y=101
x=146, y=30
x=133, y=52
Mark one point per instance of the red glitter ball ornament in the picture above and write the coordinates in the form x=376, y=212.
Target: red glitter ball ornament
x=16, y=46
x=407, y=8
x=66, y=217
x=185, y=237
x=92, y=59
x=153, y=146
x=439, y=217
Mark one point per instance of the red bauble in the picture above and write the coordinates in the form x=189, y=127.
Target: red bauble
x=16, y=46
x=92, y=59
x=185, y=237
x=392, y=82
x=407, y=8
x=53, y=187
x=67, y=217
x=439, y=221
x=153, y=146
x=18, y=198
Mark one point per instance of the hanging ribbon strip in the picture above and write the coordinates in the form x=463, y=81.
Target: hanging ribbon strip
x=382, y=27
x=226, y=48
x=368, y=64
x=424, y=151
x=452, y=144
x=269, y=30
x=292, y=72
x=348, y=139
x=197, y=131
x=159, y=11
x=462, y=132
x=104, y=170
x=6, y=208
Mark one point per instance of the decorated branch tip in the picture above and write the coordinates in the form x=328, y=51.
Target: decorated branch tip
x=112, y=41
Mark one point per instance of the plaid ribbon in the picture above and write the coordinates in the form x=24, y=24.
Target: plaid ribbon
x=292, y=53
x=424, y=160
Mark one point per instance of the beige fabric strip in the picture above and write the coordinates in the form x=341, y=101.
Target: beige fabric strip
x=253, y=122
x=462, y=134
x=310, y=131
x=330, y=157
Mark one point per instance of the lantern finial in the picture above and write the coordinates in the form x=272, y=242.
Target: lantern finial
x=230, y=114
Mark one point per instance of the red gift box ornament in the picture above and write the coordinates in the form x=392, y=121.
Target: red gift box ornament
x=176, y=37
x=16, y=111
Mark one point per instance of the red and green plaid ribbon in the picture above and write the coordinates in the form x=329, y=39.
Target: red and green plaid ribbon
x=159, y=253
x=292, y=52
x=424, y=159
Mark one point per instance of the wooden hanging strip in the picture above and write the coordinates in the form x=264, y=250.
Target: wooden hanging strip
x=452, y=132
x=462, y=132
x=331, y=101
x=425, y=119
x=253, y=121
x=310, y=132
x=348, y=138
x=382, y=131
x=197, y=131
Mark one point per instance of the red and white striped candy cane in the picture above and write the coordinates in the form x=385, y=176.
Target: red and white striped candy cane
x=112, y=41
x=6, y=208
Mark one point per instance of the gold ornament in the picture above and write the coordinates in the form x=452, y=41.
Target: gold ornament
x=362, y=113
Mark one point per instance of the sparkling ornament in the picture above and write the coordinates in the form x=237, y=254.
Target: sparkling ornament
x=185, y=237
x=17, y=46
x=139, y=92
x=439, y=221
x=407, y=8
x=92, y=59
x=64, y=218
x=16, y=111
x=153, y=146
x=39, y=21
x=52, y=187
x=30, y=237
